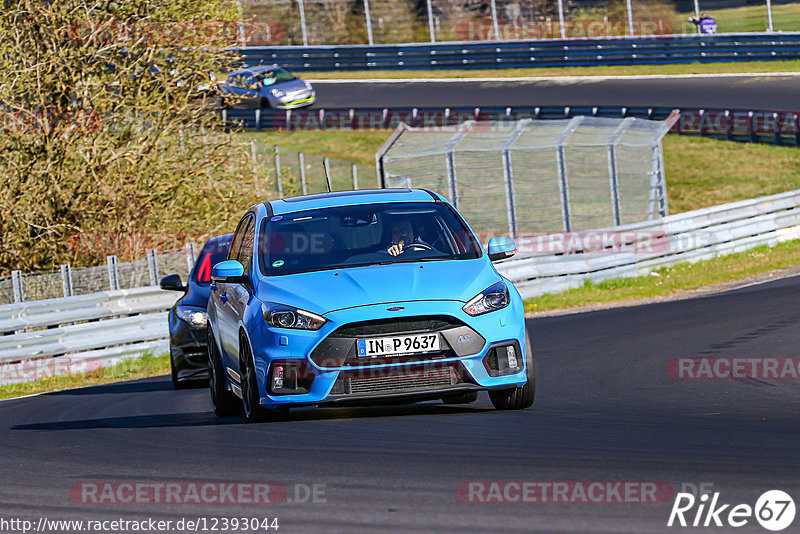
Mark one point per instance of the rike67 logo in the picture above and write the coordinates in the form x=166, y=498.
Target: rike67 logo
x=774, y=510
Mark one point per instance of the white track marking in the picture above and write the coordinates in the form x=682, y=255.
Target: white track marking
x=566, y=79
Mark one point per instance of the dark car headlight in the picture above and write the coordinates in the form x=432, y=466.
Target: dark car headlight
x=282, y=316
x=191, y=316
x=492, y=298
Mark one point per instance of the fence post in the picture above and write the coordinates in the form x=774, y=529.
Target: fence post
x=66, y=279
x=508, y=176
x=563, y=184
x=113, y=274
x=326, y=169
x=369, y=22
x=152, y=266
x=354, y=170
x=301, y=161
x=191, y=255
x=561, y=19
x=496, y=28
x=630, y=18
x=277, y=158
x=16, y=284
x=430, y=22
x=253, y=156
x=612, y=168
x=303, y=29
x=697, y=13
x=770, y=28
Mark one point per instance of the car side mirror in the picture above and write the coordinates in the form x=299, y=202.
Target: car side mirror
x=228, y=271
x=501, y=248
x=172, y=282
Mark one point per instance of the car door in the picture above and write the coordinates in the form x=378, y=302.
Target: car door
x=240, y=294
x=225, y=318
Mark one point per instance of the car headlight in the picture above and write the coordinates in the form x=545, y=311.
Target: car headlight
x=308, y=85
x=193, y=317
x=490, y=299
x=277, y=93
x=281, y=316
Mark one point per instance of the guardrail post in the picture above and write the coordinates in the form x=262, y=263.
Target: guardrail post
x=354, y=170
x=776, y=125
x=66, y=279
x=303, y=29
x=113, y=274
x=152, y=266
x=430, y=22
x=191, y=255
x=16, y=284
x=258, y=119
x=253, y=156
x=369, y=22
x=277, y=158
x=301, y=159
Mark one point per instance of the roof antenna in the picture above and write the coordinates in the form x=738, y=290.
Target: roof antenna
x=327, y=173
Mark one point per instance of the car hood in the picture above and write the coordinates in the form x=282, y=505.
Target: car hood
x=287, y=87
x=326, y=291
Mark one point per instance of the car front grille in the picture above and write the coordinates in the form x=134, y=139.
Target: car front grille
x=372, y=381
x=339, y=348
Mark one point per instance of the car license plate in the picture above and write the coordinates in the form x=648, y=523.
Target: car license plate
x=398, y=345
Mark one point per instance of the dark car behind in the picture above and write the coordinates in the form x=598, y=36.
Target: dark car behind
x=187, y=318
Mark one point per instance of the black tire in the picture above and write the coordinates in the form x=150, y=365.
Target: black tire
x=461, y=398
x=265, y=103
x=253, y=411
x=521, y=397
x=224, y=403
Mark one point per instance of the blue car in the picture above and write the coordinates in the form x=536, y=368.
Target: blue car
x=363, y=297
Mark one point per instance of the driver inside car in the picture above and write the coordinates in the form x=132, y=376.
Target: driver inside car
x=403, y=238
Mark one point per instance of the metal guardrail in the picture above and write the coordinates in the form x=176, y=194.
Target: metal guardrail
x=49, y=337
x=757, y=126
x=691, y=236
x=538, y=53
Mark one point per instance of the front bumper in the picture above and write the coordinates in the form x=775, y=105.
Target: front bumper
x=293, y=102
x=188, y=350
x=343, y=378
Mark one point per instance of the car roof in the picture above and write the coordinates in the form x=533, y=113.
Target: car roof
x=256, y=70
x=349, y=198
x=223, y=240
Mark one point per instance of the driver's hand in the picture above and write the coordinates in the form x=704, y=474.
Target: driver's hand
x=396, y=250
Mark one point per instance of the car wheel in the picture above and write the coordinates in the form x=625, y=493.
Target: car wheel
x=521, y=397
x=461, y=398
x=224, y=403
x=253, y=411
x=265, y=103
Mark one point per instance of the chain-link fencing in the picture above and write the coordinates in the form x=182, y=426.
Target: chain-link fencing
x=337, y=22
x=537, y=176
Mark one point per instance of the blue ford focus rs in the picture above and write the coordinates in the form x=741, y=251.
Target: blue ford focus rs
x=363, y=297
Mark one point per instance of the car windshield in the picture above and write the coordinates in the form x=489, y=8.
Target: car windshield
x=272, y=77
x=212, y=254
x=352, y=236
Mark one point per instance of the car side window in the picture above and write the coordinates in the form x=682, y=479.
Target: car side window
x=245, y=255
x=236, y=243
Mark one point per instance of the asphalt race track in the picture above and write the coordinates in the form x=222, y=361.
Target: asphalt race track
x=606, y=410
x=762, y=92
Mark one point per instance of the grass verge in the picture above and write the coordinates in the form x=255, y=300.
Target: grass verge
x=674, y=279
x=145, y=366
x=619, y=70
